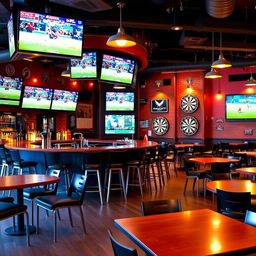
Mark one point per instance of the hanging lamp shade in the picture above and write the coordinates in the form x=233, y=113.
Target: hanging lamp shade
x=221, y=62
x=120, y=39
x=250, y=82
x=213, y=74
x=66, y=72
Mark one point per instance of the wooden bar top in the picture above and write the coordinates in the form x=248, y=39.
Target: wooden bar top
x=114, y=145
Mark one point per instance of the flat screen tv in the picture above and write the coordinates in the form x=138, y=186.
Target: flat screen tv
x=85, y=67
x=241, y=107
x=11, y=38
x=10, y=90
x=119, y=124
x=37, y=97
x=51, y=35
x=119, y=101
x=64, y=100
x=117, y=69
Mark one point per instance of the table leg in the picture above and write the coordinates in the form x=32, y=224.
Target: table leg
x=20, y=229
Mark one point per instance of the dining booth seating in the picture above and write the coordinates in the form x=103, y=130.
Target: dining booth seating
x=73, y=198
x=160, y=206
x=233, y=204
x=120, y=249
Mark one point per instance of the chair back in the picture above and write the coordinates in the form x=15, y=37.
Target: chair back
x=198, y=149
x=120, y=249
x=160, y=206
x=188, y=166
x=53, y=173
x=224, y=147
x=78, y=186
x=243, y=159
x=162, y=152
x=215, y=149
x=15, y=156
x=3, y=155
x=220, y=168
x=250, y=218
x=234, y=165
x=233, y=203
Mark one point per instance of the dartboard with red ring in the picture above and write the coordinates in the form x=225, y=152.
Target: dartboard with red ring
x=189, y=103
x=189, y=125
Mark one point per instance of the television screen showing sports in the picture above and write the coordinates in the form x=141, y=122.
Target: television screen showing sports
x=64, y=100
x=50, y=34
x=37, y=97
x=119, y=124
x=10, y=90
x=117, y=69
x=241, y=107
x=11, y=36
x=85, y=67
x=119, y=101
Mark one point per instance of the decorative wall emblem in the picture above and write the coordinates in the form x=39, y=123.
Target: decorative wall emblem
x=159, y=106
x=189, y=125
x=26, y=73
x=10, y=69
x=189, y=103
x=160, y=125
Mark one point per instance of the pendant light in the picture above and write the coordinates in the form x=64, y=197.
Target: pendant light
x=120, y=39
x=221, y=62
x=250, y=81
x=66, y=72
x=213, y=73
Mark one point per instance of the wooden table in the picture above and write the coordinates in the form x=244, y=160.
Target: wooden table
x=212, y=160
x=232, y=186
x=19, y=182
x=197, y=233
x=248, y=171
x=248, y=153
x=179, y=146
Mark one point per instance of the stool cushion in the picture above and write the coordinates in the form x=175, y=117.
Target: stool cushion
x=32, y=193
x=9, y=209
x=59, y=200
x=7, y=199
x=58, y=166
x=91, y=166
x=26, y=164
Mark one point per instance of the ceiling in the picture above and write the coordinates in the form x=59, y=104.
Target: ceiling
x=149, y=21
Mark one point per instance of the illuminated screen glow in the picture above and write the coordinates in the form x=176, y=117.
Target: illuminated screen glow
x=85, y=67
x=37, y=97
x=119, y=101
x=64, y=100
x=117, y=69
x=11, y=39
x=50, y=34
x=241, y=107
x=119, y=124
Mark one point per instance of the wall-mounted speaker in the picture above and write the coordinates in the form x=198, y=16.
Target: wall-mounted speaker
x=167, y=81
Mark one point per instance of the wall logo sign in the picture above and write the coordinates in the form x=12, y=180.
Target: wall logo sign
x=159, y=106
x=248, y=131
x=160, y=125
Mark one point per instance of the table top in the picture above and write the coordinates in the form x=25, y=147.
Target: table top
x=247, y=170
x=237, y=143
x=197, y=232
x=117, y=145
x=232, y=186
x=248, y=153
x=24, y=181
x=212, y=160
x=187, y=145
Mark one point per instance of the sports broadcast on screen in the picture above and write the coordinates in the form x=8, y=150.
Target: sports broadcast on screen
x=64, y=100
x=119, y=124
x=50, y=34
x=11, y=39
x=84, y=68
x=119, y=101
x=37, y=97
x=116, y=69
x=240, y=106
x=10, y=88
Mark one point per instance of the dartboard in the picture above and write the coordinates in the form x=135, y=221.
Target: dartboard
x=189, y=125
x=189, y=103
x=160, y=125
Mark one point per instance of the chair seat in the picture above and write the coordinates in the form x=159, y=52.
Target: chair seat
x=26, y=164
x=116, y=165
x=60, y=200
x=32, y=193
x=8, y=209
x=92, y=166
x=235, y=215
x=58, y=166
x=7, y=199
x=200, y=174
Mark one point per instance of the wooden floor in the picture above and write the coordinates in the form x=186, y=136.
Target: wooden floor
x=72, y=242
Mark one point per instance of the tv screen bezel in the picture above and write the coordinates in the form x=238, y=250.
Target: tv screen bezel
x=114, y=54
x=63, y=109
x=119, y=134
x=97, y=66
x=237, y=120
x=119, y=110
x=21, y=104
x=11, y=18
x=45, y=53
x=21, y=93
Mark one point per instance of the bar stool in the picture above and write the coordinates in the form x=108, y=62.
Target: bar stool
x=92, y=163
x=6, y=161
x=115, y=165
x=19, y=164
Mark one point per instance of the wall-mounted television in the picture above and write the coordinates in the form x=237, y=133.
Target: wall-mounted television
x=50, y=35
x=85, y=67
x=117, y=69
x=119, y=101
x=64, y=100
x=240, y=107
x=11, y=38
x=119, y=124
x=10, y=90
x=37, y=97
